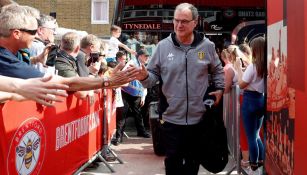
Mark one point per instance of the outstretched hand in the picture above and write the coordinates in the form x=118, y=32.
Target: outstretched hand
x=41, y=90
x=142, y=73
x=119, y=76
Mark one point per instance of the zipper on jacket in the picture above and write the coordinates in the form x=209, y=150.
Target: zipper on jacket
x=186, y=85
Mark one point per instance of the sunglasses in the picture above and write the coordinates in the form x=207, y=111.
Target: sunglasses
x=31, y=32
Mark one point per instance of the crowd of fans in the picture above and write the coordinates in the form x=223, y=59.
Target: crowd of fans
x=244, y=67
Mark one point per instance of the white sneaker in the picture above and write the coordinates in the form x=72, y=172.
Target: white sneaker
x=246, y=169
x=249, y=171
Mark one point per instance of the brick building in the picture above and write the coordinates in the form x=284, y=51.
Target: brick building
x=86, y=15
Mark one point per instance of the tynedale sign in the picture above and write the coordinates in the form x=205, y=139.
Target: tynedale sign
x=144, y=26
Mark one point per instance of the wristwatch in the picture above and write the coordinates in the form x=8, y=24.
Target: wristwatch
x=106, y=82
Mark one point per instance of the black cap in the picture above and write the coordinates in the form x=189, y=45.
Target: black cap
x=143, y=52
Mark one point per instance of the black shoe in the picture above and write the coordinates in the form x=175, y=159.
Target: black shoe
x=109, y=157
x=93, y=165
x=144, y=134
x=115, y=142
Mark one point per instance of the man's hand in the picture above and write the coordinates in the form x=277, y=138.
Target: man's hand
x=4, y=96
x=41, y=90
x=42, y=58
x=142, y=73
x=119, y=77
x=218, y=95
x=142, y=103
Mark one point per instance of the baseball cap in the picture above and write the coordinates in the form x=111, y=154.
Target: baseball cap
x=143, y=52
x=110, y=60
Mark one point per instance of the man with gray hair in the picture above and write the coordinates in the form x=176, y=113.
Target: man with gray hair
x=44, y=40
x=24, y=53
x=90, y=49
x=46, y=30
x=182, y=61
x=65, y=62
x=17, y=31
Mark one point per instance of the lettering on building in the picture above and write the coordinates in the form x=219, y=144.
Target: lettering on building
x=142, y=26
x=250, y=13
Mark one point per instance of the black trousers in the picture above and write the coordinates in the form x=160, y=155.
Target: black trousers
x=132, y=103
x=179, y=145
x=120, y=123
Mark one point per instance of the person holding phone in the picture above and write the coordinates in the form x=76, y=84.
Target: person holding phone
x=43, y=44
x=89, y=57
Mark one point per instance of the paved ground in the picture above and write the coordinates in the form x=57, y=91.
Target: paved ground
x=139, y=159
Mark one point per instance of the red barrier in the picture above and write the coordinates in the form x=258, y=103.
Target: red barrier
x=49, y=140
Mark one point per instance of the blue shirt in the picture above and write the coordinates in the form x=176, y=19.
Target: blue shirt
x=134, y=88
x=12, y=66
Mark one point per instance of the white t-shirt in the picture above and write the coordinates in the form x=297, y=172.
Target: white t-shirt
x=118, y=98
x=113, y=47
x=235, y=77
x=250, y=76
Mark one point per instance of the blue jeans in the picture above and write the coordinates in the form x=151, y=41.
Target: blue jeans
x=253, y=114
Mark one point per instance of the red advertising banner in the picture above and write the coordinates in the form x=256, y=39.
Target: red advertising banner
x=281, y=110
x=49, y=140
x=286, y=141
x=297, y=34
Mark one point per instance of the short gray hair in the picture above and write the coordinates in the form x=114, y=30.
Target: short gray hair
x=189, y=6
x=47, y=21
x=89, y=40
x=70, y=41
x=14, y=16
x=32, y=11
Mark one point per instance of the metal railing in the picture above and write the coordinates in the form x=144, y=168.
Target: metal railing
x=231, y=116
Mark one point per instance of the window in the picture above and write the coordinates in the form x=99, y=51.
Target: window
x=127, y=14
x=141, y=13
x=151, y=13
x=100, y=12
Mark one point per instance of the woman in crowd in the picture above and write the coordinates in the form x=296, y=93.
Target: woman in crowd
x=253, y=102
x=231, y=76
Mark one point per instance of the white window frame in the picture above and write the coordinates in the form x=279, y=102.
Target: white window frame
x=93, y=21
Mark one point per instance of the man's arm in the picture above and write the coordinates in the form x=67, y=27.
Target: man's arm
x=116, y=79
x=127, y=48
x=37, y=89
x=217, y=74
x=4, y=96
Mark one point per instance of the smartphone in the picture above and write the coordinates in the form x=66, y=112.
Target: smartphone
x=243, y=65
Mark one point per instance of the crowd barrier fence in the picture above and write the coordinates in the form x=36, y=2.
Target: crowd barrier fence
x=55, y=140
x=231, y=116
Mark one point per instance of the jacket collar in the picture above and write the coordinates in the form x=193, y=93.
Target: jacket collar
x=198, y=37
